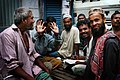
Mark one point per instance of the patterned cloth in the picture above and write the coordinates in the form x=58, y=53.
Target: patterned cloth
x=97, y=58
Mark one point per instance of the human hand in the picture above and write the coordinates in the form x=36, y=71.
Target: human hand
x=54, y=28
x=39, y=27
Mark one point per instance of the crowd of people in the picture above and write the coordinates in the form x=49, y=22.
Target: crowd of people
x=26, y=58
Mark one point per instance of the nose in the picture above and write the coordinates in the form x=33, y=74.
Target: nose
x=33, y=20
x=118, y=19
x=83, y=31
x=94, y=23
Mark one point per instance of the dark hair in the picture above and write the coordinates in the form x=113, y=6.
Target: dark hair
x=42, y=21
x=81, y=15
x=116, y=12
x=39, y=20
x=50, y=19
x=86, y=22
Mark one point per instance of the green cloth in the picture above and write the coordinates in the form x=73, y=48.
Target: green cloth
x=43, y=76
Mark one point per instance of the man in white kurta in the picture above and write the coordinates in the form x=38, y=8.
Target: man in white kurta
x=70, y=38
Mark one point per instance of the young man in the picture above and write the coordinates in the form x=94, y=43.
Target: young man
x=17, y=50
x=85, y=37
x=45, y=44
x=50, y=29
x=97, y=23
x=81, y=17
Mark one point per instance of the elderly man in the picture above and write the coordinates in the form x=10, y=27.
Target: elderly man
x=17, y=50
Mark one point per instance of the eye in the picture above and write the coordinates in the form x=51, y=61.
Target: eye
x=85, y=28
x=96, y=20
x=80, y=29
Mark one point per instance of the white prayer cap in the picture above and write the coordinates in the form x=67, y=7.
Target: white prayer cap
x=67, y=16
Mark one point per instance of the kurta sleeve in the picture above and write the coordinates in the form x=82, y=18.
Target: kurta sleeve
x=76, y=36
x=8, y=51
x=110, y=58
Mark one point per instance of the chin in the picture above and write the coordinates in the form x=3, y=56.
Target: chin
x=30, y=28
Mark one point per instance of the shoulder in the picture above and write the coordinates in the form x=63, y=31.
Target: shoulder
x=74, y=28
x=7, y=32
x=112, y=41
x=110, y=37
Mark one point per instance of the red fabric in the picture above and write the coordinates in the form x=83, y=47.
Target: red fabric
x=97, y=58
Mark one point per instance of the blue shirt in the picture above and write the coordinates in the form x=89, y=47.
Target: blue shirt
x=45, y=44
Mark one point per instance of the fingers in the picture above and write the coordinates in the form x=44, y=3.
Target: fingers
x=40, y=28
x=54, y=25
x=41, y=23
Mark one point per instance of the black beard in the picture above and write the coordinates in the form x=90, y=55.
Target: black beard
x=67, y=28
x=116, y=28
x=100, y=32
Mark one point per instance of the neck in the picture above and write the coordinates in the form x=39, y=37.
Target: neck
x=22, y=30
x=117, y=33
x=89, y=37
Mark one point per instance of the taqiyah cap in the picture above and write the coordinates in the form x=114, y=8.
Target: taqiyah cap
x=67, y=16
x=96, y=9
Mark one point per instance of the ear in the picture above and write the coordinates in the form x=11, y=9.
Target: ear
x=24, y=21
x=104, y=20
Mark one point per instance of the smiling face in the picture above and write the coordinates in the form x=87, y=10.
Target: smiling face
x=85, y=31
x=97, y=23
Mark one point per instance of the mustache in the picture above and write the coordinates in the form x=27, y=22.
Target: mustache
x=117, y=22
x=97, y=33
x=84, y=33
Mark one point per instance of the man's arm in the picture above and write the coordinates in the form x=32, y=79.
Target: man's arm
x=111, y=53
x=76, y=42
x=20, y=72
x=41, y=65
x=77, y=51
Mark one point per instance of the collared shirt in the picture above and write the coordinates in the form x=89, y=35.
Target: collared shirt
x=13, y=50
x=44, y=44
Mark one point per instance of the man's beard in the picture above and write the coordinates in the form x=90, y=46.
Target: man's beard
x=100, y=32
x=116, y=28
x=31, y=27
x=67, y=28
